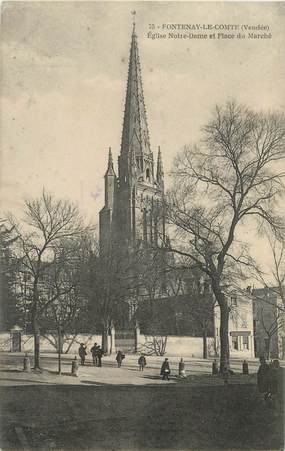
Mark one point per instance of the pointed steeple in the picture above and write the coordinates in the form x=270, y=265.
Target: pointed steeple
x=110, y=167
x=159, y=170
x=135, y=136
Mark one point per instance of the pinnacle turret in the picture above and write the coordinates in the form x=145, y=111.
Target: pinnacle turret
x=110, y=167
x=159, y=170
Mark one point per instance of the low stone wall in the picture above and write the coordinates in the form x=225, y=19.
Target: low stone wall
x=183, y=346
x=70, y=345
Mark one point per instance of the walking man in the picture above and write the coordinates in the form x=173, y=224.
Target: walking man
x=82, y=352
x=120, y=357
x=165, y=370
x=94, y=354
x=99, y=356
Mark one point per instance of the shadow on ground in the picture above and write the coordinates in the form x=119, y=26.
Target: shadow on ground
x=171, y=416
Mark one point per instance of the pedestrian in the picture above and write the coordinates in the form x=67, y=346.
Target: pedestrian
x=275, y=383
x=181, y=369
x=94, y=354
x=120, y=357
x=99, y=356
x=165, y=370
x=263, y=377
x=82, y=353
x=142, y=362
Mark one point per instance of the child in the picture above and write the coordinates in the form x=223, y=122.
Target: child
x=142, y=362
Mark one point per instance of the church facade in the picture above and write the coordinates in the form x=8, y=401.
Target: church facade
x=133, y=215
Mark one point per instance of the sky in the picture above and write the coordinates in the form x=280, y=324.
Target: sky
x=64, y=79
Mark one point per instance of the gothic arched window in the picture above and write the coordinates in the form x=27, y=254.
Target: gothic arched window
x=147, y=174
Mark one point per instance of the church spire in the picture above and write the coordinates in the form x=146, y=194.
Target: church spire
x=135, y=136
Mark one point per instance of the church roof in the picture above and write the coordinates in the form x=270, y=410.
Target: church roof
x=135, y=137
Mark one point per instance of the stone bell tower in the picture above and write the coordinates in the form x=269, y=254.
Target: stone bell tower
x=132, y=221
x=133, y=213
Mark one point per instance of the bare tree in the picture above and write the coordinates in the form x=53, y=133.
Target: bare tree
x=278, y=251
x=109, y=286
x=47, y=222
x=275, y=278
x=62, y=304
x=200, y=311
x=8, y=315
x=271, y=324
x=150, y=271
x=231, y=177
x=156, y=345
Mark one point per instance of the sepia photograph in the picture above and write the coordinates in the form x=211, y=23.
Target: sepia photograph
x=142, y=225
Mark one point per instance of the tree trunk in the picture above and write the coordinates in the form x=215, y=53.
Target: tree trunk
x=269, y=350
x=36, y=328
x=105, y=335
x=36, y=331
x=205, y=348
x=224, y=336
x=113, y=339
x=224, y=326
x=59, y=349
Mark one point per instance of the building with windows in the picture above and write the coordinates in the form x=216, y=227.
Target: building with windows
x=241, y=335
x=269, y=323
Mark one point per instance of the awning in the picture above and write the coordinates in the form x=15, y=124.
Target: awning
x=242, y=333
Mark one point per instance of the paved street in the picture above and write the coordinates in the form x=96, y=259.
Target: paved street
x=12, y=364
x=121, y=408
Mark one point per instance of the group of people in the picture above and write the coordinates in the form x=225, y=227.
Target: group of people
x=165, y=369
x=96, y=351
x=269, y=375
x=97, y=354
x=270, y=380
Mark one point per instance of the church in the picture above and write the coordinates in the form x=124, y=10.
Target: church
x=133, y=215
x=133, y=220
